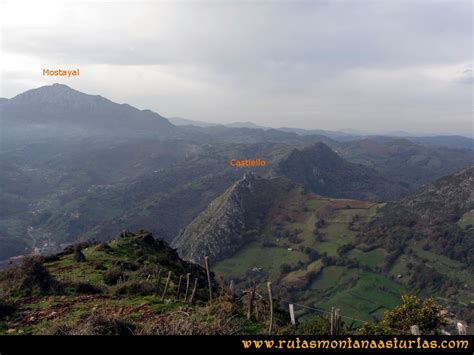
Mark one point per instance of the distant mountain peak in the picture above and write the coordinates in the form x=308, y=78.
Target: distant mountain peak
x=59, y=95
x=62, y=109
x=322, y=148
x=319, y=154
x=58, y=85
x=328, y=174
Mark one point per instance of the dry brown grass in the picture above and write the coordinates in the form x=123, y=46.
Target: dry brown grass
x=218, y=318
x=97, y=323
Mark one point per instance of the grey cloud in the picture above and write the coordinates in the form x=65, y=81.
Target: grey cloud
x=467, y=76
x=283, y=61
x=345, y=34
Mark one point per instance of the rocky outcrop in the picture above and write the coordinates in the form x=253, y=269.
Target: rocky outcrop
x=446, y=199
x=230, y=221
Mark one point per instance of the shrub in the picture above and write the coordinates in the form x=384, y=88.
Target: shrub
x=100, y=267
x=285, y=268
x=373, y=329
x=32, y=276
x=6, y=308
x=86, y=288
x=320, y=223
x=293, y=238
x=70, y=249
x=104, y=247
x=318, y=325
x=146, y=270
x=51, y=258
x=312, y=254
x=135, y=288
x=267, y=244
x=78, y=254
x=112, y=276
x=425, y=314
x=126, y=265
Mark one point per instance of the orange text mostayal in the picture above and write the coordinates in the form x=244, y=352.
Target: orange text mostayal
x=61, y=72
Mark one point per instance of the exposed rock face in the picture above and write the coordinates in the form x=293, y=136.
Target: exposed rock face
x=444, y=200
x=230, y=221
x=326, y=173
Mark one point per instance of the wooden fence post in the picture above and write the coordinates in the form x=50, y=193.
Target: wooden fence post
x=251, y=298
x=193, y=294
x=270, y=299
x=231, y=288
x=206, y=261
x=292, y=313
x=179, y=287
x=332, y=321
x=337, y=321
x=461, y=328
x=187, y=286
x=158, y=279
x=255, y=310
x=166, y=286
x=415, y=330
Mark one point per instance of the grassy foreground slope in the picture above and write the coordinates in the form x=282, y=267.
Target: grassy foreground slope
x=115, y=288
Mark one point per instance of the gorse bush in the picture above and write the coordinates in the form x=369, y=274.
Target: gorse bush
x=413, y=311
x=32, y=277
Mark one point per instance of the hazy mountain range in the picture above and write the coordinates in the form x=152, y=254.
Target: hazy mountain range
x=454, y=141
x=358, y=213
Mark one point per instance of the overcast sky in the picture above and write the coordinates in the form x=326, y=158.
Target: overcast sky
x=369, y=65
